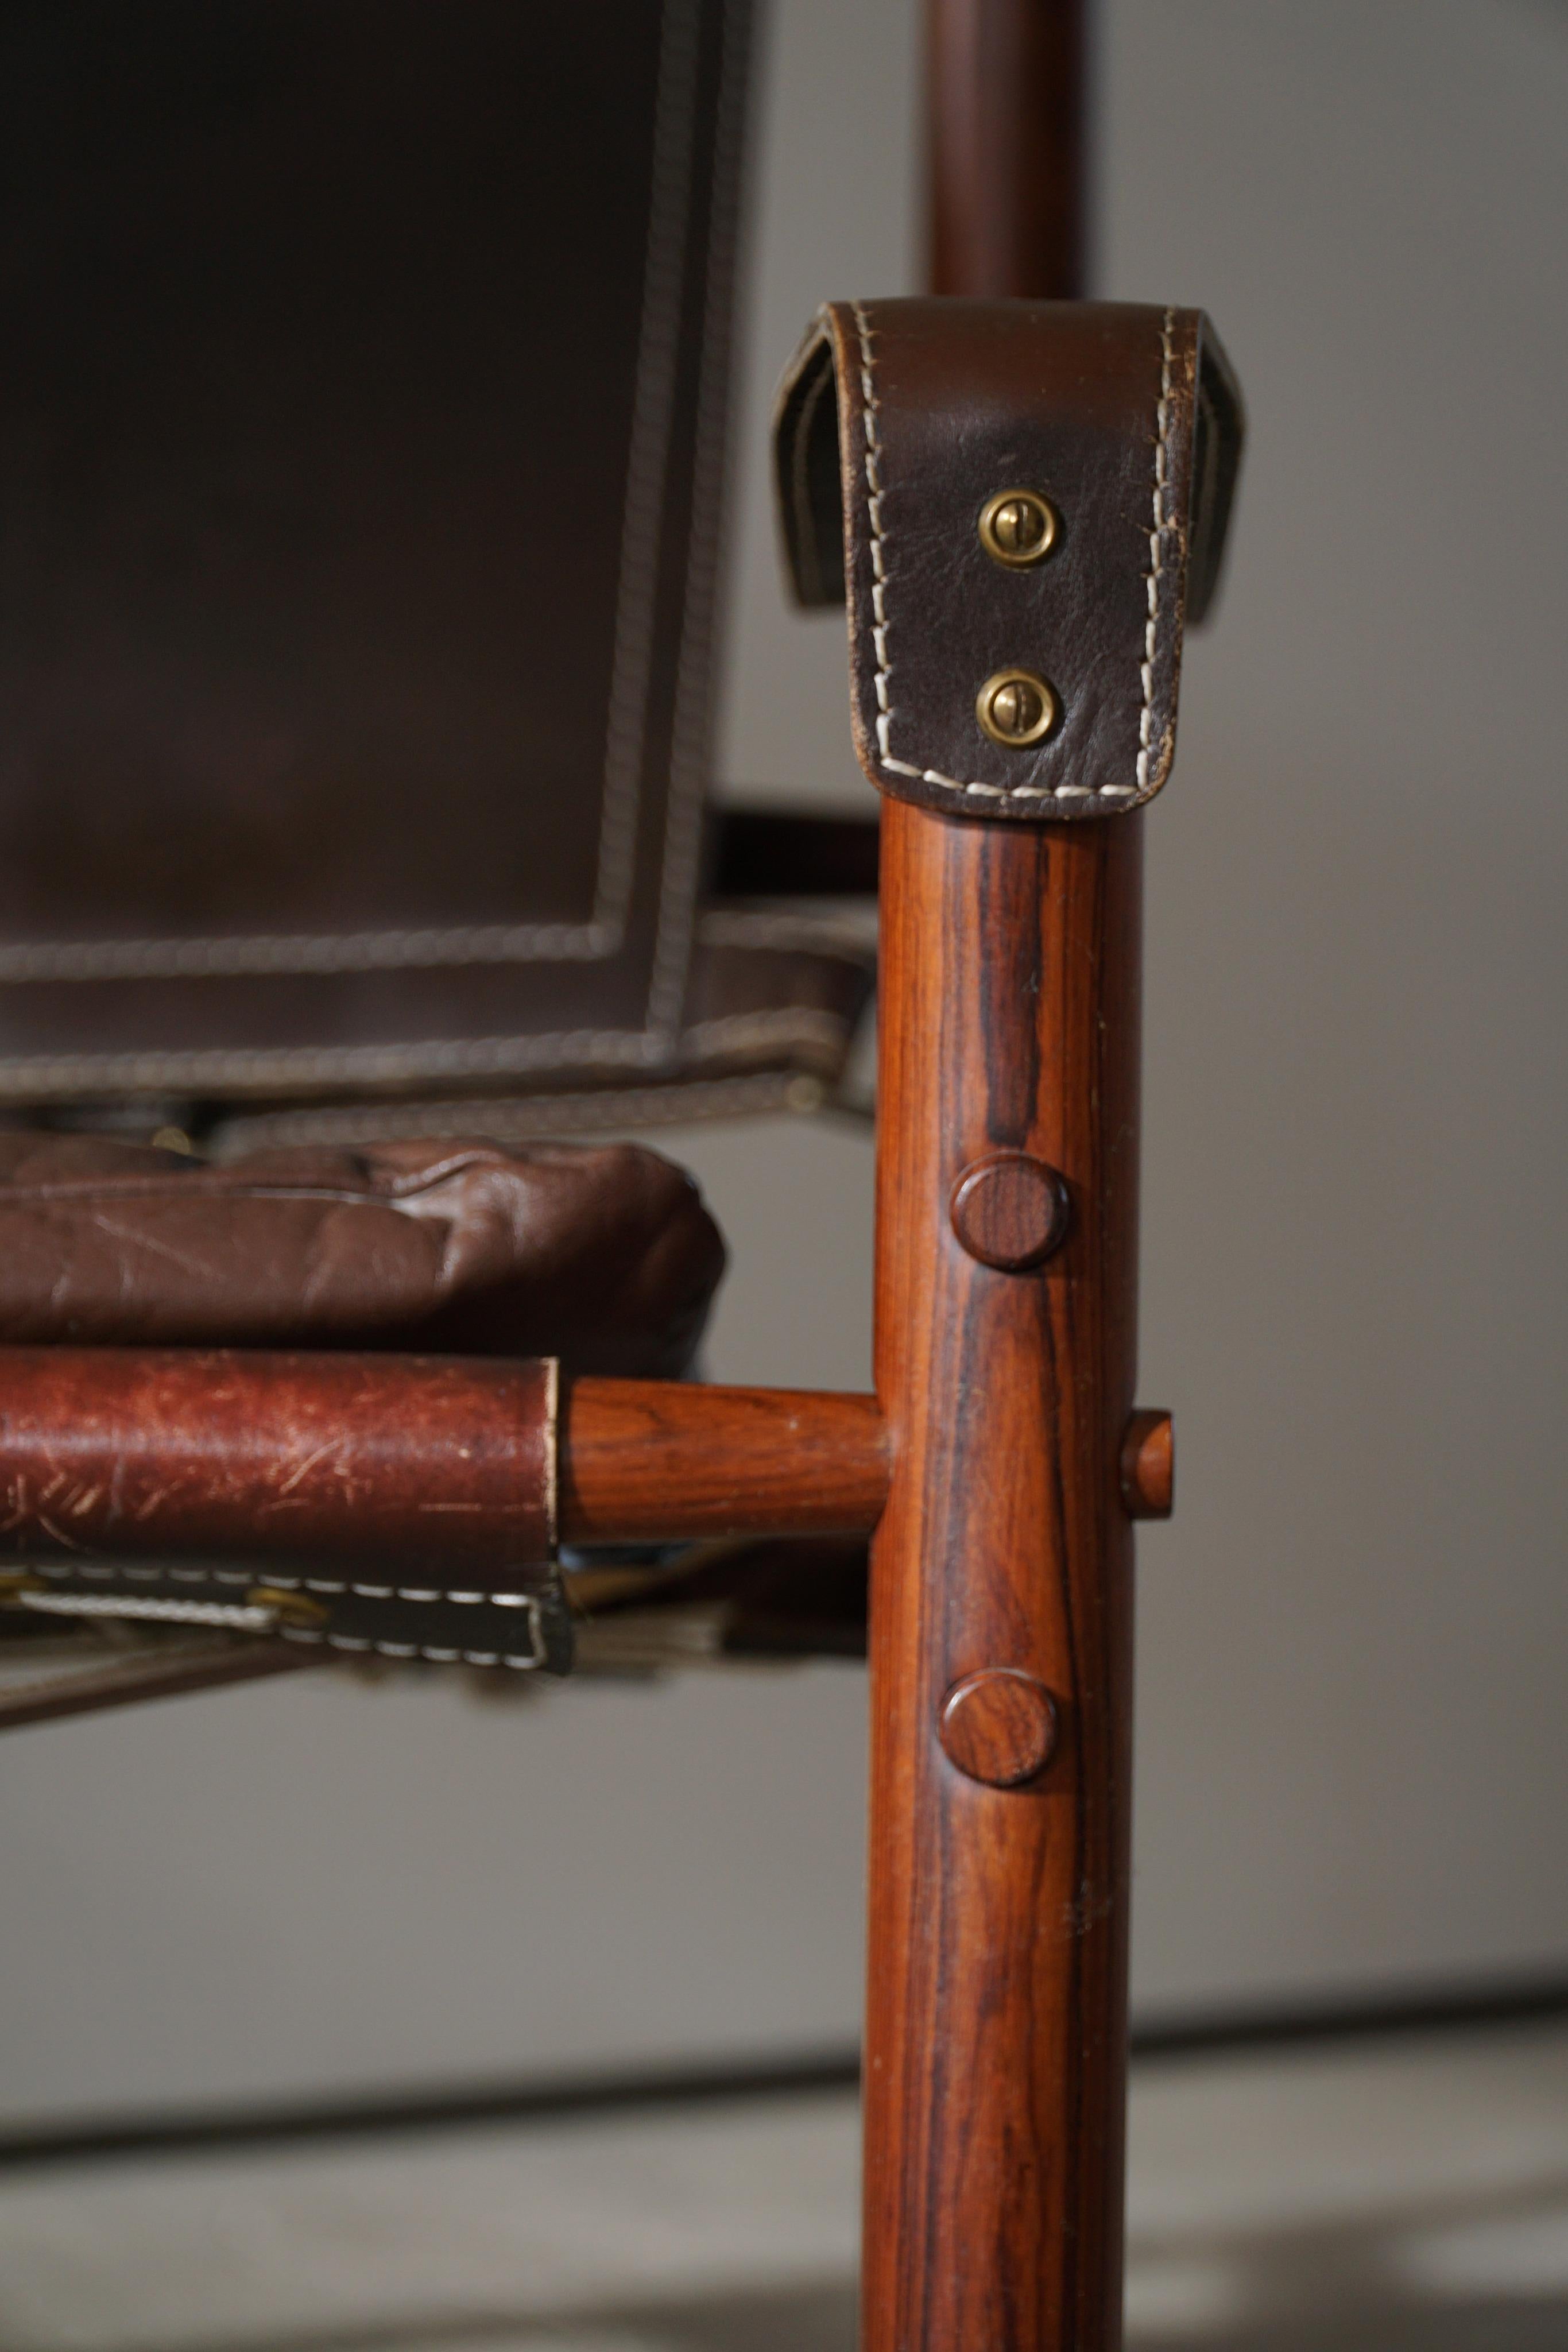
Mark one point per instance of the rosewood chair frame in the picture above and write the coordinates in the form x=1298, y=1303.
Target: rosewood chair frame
x=998, y=1468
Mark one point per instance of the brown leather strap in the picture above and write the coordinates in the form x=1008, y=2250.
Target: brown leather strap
x=1125, y=421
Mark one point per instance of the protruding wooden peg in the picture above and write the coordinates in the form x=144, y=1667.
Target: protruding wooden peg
x=999, y=1727
x=1009, y=1210
x=1148, y=1465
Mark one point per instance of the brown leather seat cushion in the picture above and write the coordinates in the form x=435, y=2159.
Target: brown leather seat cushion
x=604, y=1256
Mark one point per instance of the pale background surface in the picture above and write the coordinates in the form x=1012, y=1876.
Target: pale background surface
x=1405, y=2197
x=1352, y=1741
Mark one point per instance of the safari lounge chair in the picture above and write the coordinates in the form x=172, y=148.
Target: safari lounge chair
x=362, y=413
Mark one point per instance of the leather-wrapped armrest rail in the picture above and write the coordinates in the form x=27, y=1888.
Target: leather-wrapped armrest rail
x=400, y=1505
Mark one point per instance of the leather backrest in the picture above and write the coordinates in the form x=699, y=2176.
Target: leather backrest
x=361, y=392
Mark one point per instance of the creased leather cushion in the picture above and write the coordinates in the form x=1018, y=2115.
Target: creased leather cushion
x=604, y=1256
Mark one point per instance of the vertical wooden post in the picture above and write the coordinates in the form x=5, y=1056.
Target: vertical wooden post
x=1005, y=109
x=995, y=2067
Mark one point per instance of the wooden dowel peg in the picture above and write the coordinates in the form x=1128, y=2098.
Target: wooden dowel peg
x=1148, y=1465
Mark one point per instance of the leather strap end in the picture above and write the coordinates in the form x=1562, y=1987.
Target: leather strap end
x=898, y=425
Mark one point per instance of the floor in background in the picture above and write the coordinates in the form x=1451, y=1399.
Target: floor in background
x=1407, y=2197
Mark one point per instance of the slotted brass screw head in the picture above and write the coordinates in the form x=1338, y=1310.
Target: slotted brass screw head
x=1018, y=528
x=1015, y=708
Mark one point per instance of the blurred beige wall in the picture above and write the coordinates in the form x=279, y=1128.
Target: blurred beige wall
x=1353, y=1739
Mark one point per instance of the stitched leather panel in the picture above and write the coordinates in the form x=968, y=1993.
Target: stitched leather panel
x=603, y=1256
x=1099, y=408
x=745, y=1005
x=360, y=416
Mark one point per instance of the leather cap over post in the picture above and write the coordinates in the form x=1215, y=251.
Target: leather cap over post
x=902, y=427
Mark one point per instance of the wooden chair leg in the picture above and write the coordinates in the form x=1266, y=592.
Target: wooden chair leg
x=1000, y=1644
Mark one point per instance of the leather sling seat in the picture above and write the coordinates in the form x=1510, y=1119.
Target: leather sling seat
x=600, y=1256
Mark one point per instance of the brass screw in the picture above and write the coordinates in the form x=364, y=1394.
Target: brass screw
x=1018, y=528
x=1015, y=708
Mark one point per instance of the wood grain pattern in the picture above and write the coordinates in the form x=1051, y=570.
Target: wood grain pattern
x=647, y=1460
x=1005, y=82
x=1010, y=1210
x=998, y=1726
x=995, y=2082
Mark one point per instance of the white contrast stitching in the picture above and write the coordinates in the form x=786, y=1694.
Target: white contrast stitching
x=647, y=470
x=1157, y=545
x=261, y=1620
x=262, y=1575
x=437, y=1656
x=737, y=1033
x=540, y=1115
x=251, y=956
x=47, y=1076
x=816, y=935
x=691, y=722
x=227, y=1614
x=883, y=673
